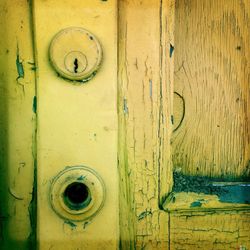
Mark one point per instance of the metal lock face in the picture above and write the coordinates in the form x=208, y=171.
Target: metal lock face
x=75, y=54
x=77, y=193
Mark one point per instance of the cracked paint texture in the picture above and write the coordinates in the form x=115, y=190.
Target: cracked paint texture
x=144, y=121
x=210, y=230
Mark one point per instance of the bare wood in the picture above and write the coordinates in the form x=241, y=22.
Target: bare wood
x=212, y=75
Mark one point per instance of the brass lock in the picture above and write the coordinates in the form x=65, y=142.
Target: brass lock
x=75, y=54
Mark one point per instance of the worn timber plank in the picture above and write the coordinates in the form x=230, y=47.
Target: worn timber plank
x=145, y=80
x=212, y=78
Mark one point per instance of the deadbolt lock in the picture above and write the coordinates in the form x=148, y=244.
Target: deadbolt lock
x=75, y=54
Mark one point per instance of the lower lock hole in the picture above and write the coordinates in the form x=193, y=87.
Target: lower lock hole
x=77, y=196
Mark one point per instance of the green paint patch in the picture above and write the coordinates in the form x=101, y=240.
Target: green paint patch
x=144, y=214
x=229, y=192
x=19, y=66
x=235, y=192
x=81, y=178
x=196, y=204
x=171, y=50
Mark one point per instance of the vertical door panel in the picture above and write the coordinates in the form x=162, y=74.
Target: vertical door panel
x=17, y=125
x=145, y=85
x=77, y=124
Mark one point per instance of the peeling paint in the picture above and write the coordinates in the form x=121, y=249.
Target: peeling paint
x=230, y=192
x=81, y=178
x=171, y=50
x=125, y=107
x=19, y=65
x=144, y=214
x=33, y=66
x=172, y=119
x=34, y=106
x=196, y=204
x=33, y=211
x=86, y=223
x=21, y=165
x=70, y=223
x=235, y=192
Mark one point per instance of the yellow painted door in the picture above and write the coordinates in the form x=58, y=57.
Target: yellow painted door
x=59, y=121
x=124, y=124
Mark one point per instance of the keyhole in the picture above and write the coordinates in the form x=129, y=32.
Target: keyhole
x=77, y=196
x=75, y=65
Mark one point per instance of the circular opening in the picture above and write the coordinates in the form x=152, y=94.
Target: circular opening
x=77, y=196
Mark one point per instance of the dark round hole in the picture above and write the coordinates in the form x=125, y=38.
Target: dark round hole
x=77, y=196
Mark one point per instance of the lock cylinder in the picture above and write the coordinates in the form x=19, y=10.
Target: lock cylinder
x=77, y=193
x=75, y=54
x=77, y=196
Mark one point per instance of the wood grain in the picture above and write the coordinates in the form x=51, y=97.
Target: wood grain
x=212, y=74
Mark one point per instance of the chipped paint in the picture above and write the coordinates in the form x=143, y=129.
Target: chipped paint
x=34, y=106
x=17, y=140
x=209, y=230
x=81, y=178
x=71, y=224
x=229, y=192
x=171, y=50
x=19, y=65
x=86, y=223
x=196, y=204
x=144, y=214
x=144, y=134
x=32, y=239
x=234, y=192
x=125, y=107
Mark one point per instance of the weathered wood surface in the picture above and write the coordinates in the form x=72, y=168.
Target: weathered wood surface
x=212, y=75
x=17, y=125
x=144, y=121
x=211, y=84
x=215, y=230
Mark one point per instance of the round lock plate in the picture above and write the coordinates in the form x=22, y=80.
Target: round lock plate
x=77, y=193
x=75, y=54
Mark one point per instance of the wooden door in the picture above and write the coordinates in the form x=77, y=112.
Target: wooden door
x=184, y=114
x=210, y=140
x=161, y=127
